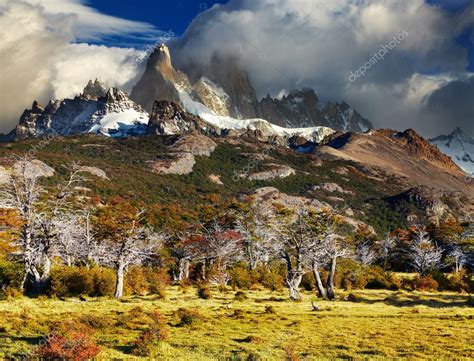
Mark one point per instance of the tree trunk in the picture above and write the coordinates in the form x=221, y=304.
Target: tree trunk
x=183, y=269
x=319, y=284
x=293, y=281
x=44, y=279
x=119, y=283
x=330, y=283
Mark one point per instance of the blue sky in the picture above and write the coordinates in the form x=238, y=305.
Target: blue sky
x=165, y=15
x=176, y=16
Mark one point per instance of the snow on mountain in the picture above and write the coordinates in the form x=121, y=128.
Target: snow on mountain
x=121, y=124
x=459, y=146
x=313, y=134
x=109, y=113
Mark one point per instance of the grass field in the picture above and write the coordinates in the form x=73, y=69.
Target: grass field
x=374, y=325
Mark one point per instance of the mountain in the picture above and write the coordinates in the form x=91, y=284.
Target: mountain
x=405, y=155
x=225, y=89
x=302, y=108
x=459, y=146
x=97, y=110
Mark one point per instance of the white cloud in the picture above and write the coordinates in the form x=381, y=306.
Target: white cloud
x=39, y=59
x=90, y=24
x=294, y=43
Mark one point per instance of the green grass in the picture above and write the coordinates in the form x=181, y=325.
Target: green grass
x=378, y=325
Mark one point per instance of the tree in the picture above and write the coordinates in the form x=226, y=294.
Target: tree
x=365, y=254
x=459, y=258
x=256, y=238
x=183, y=250
x=301, y=240
x=219, y=246
x=386, y=249
x=124, y=240
x=424, y=255
x=334, y=247
x=76, y=242
x=38, y=236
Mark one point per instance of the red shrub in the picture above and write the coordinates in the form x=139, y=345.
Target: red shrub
x=425, y=283
x=73, y=345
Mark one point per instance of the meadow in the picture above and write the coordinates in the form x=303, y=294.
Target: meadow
x=252, y=325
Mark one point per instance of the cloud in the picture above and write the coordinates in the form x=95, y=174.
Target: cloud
x=286, y=44
x=453, y=101
x=40, y=58
x=91, y=25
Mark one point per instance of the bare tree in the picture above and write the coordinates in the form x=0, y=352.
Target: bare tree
x=424, y=255
x=23, y=193
x=184, y=253
x=301, y=241
x=334, y=246
x=219, y=246
x=256, y=237
x=386, y=249
x=365, y=254
x=459, y=258
x=75, y=238
x=137, y=246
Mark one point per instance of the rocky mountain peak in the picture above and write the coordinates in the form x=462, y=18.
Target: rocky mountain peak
x=36, y=108
x=302, y=108
x=94, y=90
x=459, y=146
x=163, y=62
x=115, y=95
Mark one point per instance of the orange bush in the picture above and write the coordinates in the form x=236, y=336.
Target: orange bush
x=73, y=345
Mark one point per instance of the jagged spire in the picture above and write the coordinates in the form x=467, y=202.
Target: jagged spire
x=163, y=63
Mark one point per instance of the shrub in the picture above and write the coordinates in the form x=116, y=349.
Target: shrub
x=458, y=282
x=133, y=318
x=272, y=278
x=136, y=282
x=103, y=280
x=158, y=332
x=70, y=341
x=11, y=275
x=146, y=280
x=204, y=291
x=377, y=278
x=270, y=309
x=76, y=281
x=240, y=296
x=71, y=281
x=242, y=277
x=350, y=275
x=425, y=283
x=74, y=346
x=308, y=282
x=188, y=317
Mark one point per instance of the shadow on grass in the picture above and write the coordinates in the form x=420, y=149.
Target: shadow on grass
x=126, y=349
x=409, y=300
x=33, y=341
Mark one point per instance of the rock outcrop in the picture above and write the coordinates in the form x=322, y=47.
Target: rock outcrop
x=168, y=118
x=194, y=143
x=95, y=172
x=275, y=171
x=178, y=163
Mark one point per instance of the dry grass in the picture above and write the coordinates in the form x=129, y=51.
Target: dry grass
x=376, y=325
